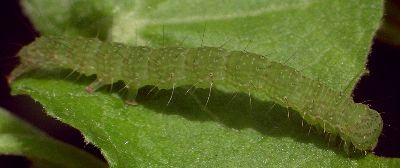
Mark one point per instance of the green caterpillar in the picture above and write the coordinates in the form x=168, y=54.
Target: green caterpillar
x=206, y=67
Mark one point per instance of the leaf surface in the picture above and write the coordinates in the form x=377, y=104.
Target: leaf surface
x=326, y=40
x=20, y=138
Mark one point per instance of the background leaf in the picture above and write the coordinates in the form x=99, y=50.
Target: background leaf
x=19, y=138
x=326, y=40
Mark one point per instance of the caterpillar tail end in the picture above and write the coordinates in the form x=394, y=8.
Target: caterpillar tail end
x=18, y=71
x=10, y=79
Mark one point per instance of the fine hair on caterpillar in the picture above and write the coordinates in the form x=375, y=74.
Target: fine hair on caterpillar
x=208, y=68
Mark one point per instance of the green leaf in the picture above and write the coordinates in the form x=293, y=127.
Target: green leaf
x=19, y=138
x=326, y=40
